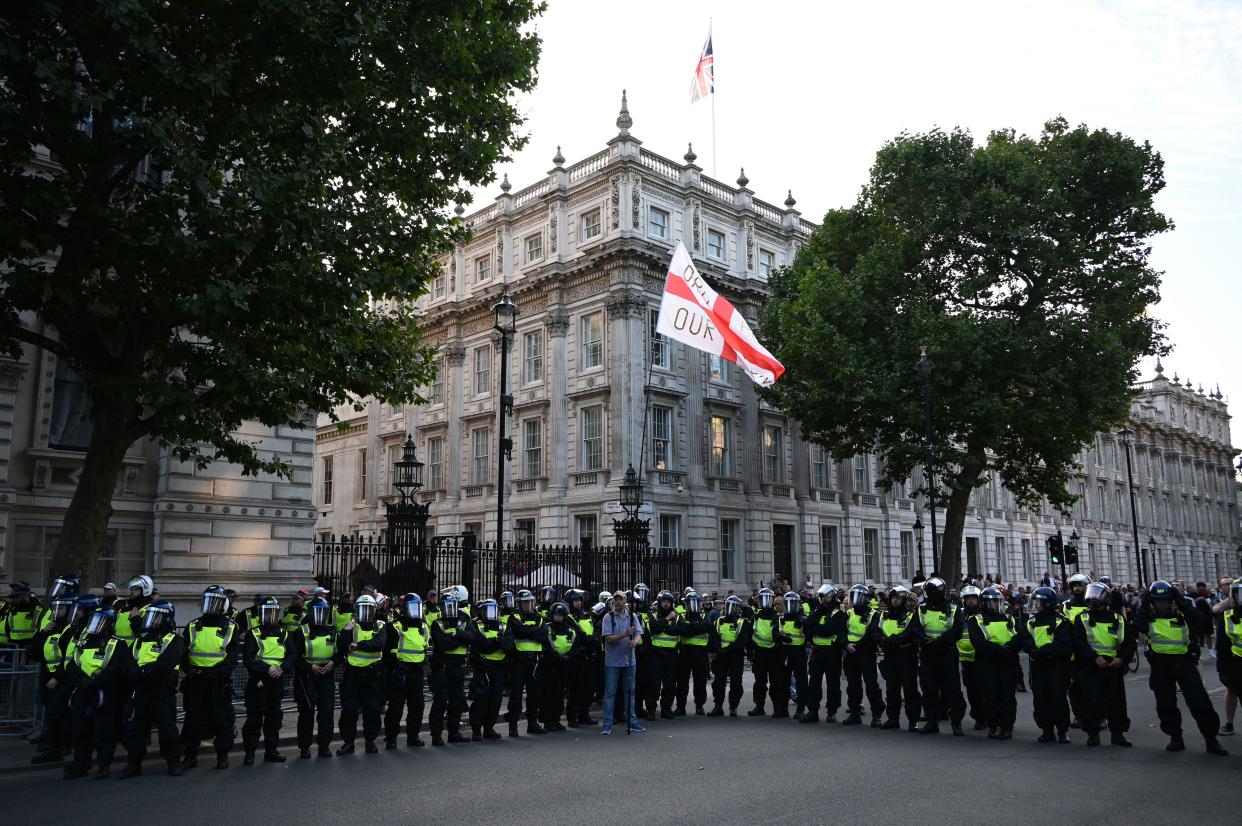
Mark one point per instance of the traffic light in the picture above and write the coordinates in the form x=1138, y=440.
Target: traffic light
x=1071, y=555
x=1054, y=549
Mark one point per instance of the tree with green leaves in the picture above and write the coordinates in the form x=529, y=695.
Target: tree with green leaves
x=1021, y=265
x=221, y=214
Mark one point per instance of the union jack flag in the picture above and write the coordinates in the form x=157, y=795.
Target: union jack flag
x=704, y=82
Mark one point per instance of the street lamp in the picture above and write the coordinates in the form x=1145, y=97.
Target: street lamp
x=506, y=324
x=407, y=519
x=631, y=532
x=1125, y=433
x=918, y=533
x=1151, y=544
x=925, y=368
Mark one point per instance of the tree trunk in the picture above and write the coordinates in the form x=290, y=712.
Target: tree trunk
x=85, y=525
x=951, y=549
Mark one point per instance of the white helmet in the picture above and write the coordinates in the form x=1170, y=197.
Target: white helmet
x=605, y=597
x=144, y=582
x=1079, y=579
x=462, y=595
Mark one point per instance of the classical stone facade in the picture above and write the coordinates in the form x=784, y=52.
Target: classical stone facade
x=185, y=527
x=583, y=252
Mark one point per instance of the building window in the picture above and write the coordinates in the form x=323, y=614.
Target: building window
x=482, y=370
x=592, y=438
x=435, y=463
x=670, y=531
x=773, y=454
x=908, y=565
x=480, y=455
x=327, y=480
x=532, y=448
x=482, y=269
x=534, y=247
x=592, y=341
x=590, y=225
x=657, y=223
x=871, y=553
x=532, y=362
x=829, y=553
x=71, y=426
x=862, y=480
x=587, y=529
x=437, y=286
x=525, y=532
x=729, y=532
x=973, y=568
x=718, y=369
x=361, y=492
x=436, y=394
x=1028, y=561
x=819, y=467
x=661, y=437
x=715, y=244
x=721, y=438
x=394, y=455
x=767, y=262
x=658, y=343
x=1002, y=558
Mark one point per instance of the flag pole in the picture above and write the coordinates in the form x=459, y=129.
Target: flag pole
x=713, y=90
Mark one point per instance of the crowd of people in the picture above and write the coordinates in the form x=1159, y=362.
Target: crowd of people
x=111, y=668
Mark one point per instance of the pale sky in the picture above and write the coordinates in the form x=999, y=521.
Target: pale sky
x=808, y=91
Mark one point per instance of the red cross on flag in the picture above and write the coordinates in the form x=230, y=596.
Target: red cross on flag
x=694, y=314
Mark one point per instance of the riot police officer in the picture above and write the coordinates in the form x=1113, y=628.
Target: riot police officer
x=997, y=639
x=158, y=652
x=562, y=649
x=937, y=630
x=488, y=655
x=1104, y=643
x=662, y=626
x=409, y=639
x=1072, y=607
x=1173, y=626
x=1049, y=642
x=526, y=627
x=692, y=661
x=266, y=656
x=361, y=645
x=729, y=640
x=792, y=666
x=586, y=671
x=99, y=661
x=451, y=636
x=48, y=649
x=766, y=655
x=901, y=665
x=315, y=660
x=826, y=629
x=212, y=643
x=969, y=597
x=859, y=661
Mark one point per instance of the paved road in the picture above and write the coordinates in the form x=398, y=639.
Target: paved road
x=687, y=771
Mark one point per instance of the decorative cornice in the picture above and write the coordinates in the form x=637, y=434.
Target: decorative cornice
x=557, y=322
x=454, y=354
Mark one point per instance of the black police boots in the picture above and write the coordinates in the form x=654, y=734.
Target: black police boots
x=456, y=737
x=273, y=756
x=1062, y=737
x=533, y=727
x=852, y=720
x=490, y=733
x=132, y=769
x=371, y=748
x=1120, y=740
x=1214, y=747
x=1176, y=743
x=190, y=761
x=513, y=732
x=248, y=760
x=304, y=754
x=174, y=768
x=716, y=711
x=344, y=749
x=222, y=760
x=757, y=711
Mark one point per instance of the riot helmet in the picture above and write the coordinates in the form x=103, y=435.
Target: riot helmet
x=448, y=606
x=694, y=603
x=1161, y=598
x=101, y=622
x=507, y=600
x=525, y=601
x=159, y=616
x=269, y=612
x=859, y=597
x=215, y=601
x=365, y=609
x=733, y=606
x=65, y=585
x=992, y=600
x=83, y=608
x=1097, y=594
x=318, y=612
x=765, y=598
x=488, y=610
x=1044, y=599
x=793, y=603
x=412, y=606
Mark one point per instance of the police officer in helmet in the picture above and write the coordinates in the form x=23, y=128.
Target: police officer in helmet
x=315, y=660
x=157, y=652
x=212, y=643
x=267, y=656
x=409, y=645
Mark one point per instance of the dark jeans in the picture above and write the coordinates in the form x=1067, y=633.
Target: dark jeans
x=620, y=678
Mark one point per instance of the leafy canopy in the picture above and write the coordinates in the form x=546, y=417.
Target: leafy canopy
x=242, y=198
x=1021, y=264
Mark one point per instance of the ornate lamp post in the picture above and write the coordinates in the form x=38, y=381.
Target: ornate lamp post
x=918, y=533
x=1125, y=433
x=407, y=519
x=506, y=324
x=631, y=531
x=1151, y=544
x=925, y=368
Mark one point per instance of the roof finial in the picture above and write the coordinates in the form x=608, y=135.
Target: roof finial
x=1218, y=391
x=624, y=121
x=1159, y=367
x=1175, y=380
x=505, y=186
x=742, y=180
x=558, y=158
x=1189, y=386
x=789, y=200
x=459, y=210
x=690, y=157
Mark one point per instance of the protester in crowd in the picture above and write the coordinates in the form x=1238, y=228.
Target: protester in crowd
x=622, y=631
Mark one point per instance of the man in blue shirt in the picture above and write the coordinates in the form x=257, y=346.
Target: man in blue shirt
x=622, y=631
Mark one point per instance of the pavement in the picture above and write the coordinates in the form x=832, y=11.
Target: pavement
x=686, y=771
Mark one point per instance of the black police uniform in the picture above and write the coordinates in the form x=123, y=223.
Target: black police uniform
x=1171, y=673
x=406, y=681
x=826, y=632
x=729, y=662
x=525, y=676
x=97, y=701
x=1103, y=689
x=661, y=662
x=487, y=680
x=362, y=684
x=900, y=667
x=692, y=661
x=154, y=700
x=996, y=671
x=451, y=639
x=586, y=673
x=264, y=693
x=207, y=690
x=557, y=666
x=57, y=722
x=939, y=676
x=860, y=670
x=1050, y=672
x=315, y=693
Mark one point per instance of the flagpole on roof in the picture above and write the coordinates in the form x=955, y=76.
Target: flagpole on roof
x=713, y=90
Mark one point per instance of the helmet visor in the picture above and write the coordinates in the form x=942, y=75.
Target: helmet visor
x=215, y=603
x=765, y=599
x=792, y=603
x=364, y=611
x=60, y=586
x=99, y=623
x=694, y=603
x=413, y=609
x=269, y=614
x=732, y=608
x=79, y=615
x=318, y=613
x=1235, y=593
x=449, y=608
x=641, y=591
x=506, y=599
x=1040, y=603
x=490, y=611
x=858, y=597
x=61, y=609
x=1097, y=591
x=154, y=618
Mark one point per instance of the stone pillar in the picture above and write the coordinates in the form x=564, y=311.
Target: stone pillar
x=11, y=374
x=553, y=521
x=455, y=363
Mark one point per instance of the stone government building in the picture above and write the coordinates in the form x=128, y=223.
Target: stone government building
x=583, y=253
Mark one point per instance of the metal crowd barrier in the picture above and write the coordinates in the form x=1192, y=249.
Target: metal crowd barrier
x=20, y=712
